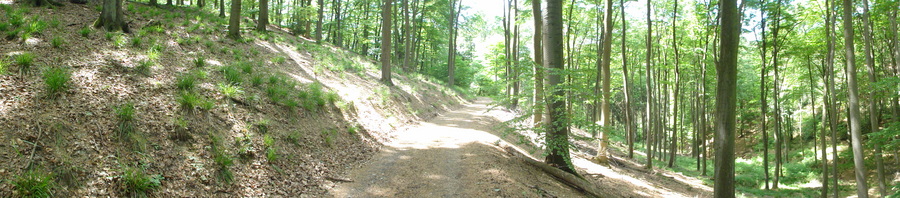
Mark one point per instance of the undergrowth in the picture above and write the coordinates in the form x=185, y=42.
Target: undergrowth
x=137, y=183
x=34, y=183
x=56, y=80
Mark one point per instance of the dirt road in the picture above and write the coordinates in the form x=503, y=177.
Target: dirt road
x=452, y=155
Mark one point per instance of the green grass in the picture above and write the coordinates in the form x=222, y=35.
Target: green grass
x=278, y=60
x=25, y=61
x=262, y=125
x=246, y=67
x=136, y=41
x=244, y=146
x=295, y=137
x=125, y=119
x=119, y=40
x=229, y=90
x=56, y=42
x=56, y=80
x=137, y=183
x=329, y=135
x=186, y=82
x=144, y=67
x=34, y=183
x=85, y=31
x=221, y=158
x=36, y=27
x=271, y=149
x=256, y=80
x=232, y=75
x=4, y=66
x=188, y=100
x=199, y=62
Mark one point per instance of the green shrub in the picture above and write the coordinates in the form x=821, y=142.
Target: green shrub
x=34, y=183
x=4, y=26
x=85, y=31
x=56, y=42
x=137, y=183
x=232, y=74
x=25, y=60
x=186, y=81
x=56, y=80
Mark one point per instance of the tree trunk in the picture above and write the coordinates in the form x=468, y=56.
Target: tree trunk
x=649, y=112
x=629, y=114
x=874, y=112
x=451, y=54
x=764, y=100
x=726, y=97
x=538, y=110
x=829, y=84
x=221, y=8
x=321, y=19
x=855, y=125
x=602, y=151
x=112, y=18
x=234, y=23
x=385, y=43
x=673, y=145
x=263, y=20
x=557, y=137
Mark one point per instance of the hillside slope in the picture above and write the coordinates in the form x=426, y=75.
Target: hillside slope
x=269, y=115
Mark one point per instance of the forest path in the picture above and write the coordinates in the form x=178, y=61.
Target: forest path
x=452, y=155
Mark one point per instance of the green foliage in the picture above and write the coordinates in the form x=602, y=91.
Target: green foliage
x=189, y=100
x=56, y=42
x=136, y=41
x=221, y=158
x=246, y=67
x=25, y=61
x=244, y=145
x=118, y=40
x=186, y=82
x=256, y=80
x=137, y=183
x=353, y=129
x=329, y=135
x=295, y=137
x=200, y=61
x=4, y=66
x=232, y=75
x=229, y=90
x=56, y=80
x=278, y=60
x=144, y=66
x=34, y=183
x=85, y=31
x=125, y=119
x=36, y=27
x=262, y=126
x=271, y=150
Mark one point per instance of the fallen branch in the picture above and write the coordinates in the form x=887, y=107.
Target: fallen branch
x=338, y=179
x=568, y=178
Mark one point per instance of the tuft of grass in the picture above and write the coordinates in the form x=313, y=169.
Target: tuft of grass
x=3, y=66
x=246, y=67
x=199, y=62
x=137, y=183
x=119, y=40
x=125, y=119
x=271, y=149
x=85, y=31
x=54, y=23
x=136, y=41
x=36, y=27
x=56, y=42
x=12, y=34
x=295, y=137
x=56, y=80
x=278, y=60
x=25, y=60
x=329, y=136
x=186, y=82
x=34, y=183
x=262, y=126
x=188, y=100
x=233, y=75
x=221, y=158
x=207, y=104
x=143, y=67
x=229, y=90
x=256, y=80
x=245, y=146
x=109, y=36
x=353, y=129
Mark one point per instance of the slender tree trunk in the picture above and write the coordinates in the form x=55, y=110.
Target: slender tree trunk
x=779, y=132
x=557, y=137
x=407, y=38
x=726, y=97
x=762, y=92
x=855, y=127
x=672, y=147
x=649, y=88
x=338, y=25
x=829, y=79
x=221, y=8
x=263, y=20
x=514, y=52
x=602, y=153
x=538, y=65
x=386, y=43
x=874, y=112
x=629, y=114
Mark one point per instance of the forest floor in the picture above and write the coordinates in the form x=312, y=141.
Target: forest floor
x=458, y=154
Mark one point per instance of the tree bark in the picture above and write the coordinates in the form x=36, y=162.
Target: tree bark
x=538, y=110
x=263, y=20
x=874, y=112
x=649, y=112
x=602, y=150
x=234, y=23
x=629, y=114
x=726, y=97
x=385, y=43
x=673, y=142
x=321, y=19
x=557, y=137
x=855, y=127
x=112, y=18
x=762, y=92
x=221, y=8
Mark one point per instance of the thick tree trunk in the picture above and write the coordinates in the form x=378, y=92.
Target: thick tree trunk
x=112, y=18
x=321, y=19
x=557, y=137
x=386, y=43
x=263, y=20
x=538, y=110
x=221, y=8
x=234, y=23
x=725, y=98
